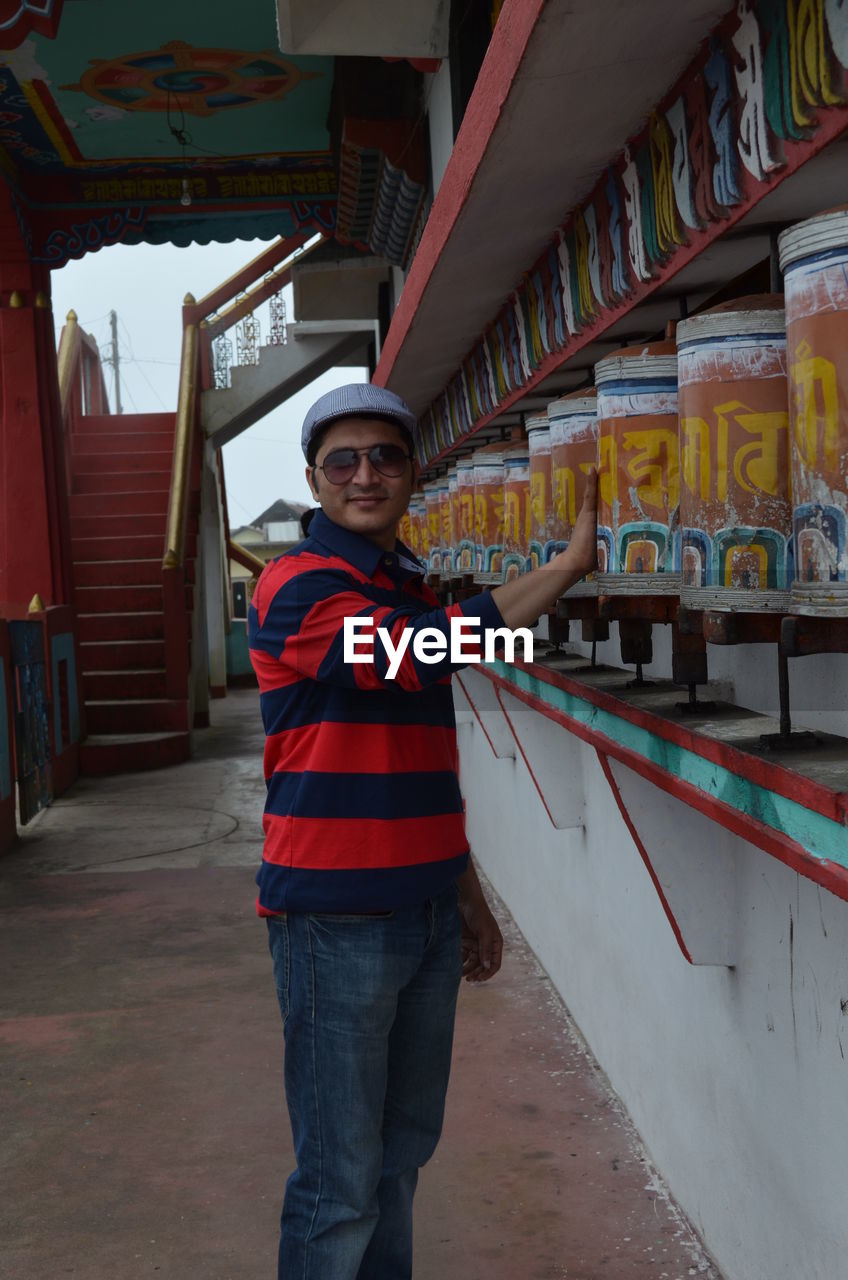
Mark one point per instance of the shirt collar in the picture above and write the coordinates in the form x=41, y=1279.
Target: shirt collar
x=363, y=554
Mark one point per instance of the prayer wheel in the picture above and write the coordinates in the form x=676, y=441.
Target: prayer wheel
x=814, y=259
x=418, y=526
x=465, y=559
x=446, y=527
x=735, y=548
x=541, y=500
x=573, y=422
x=516, y=508
x=638, y=470
x=488, y=513
x=404, y=532
x=434, y=528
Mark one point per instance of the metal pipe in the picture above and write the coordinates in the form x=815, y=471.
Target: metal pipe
x=783, y=693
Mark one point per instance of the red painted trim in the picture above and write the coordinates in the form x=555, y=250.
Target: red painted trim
x=523, y=756
x=477, y=714
x=500, y=66
x=765, y=773
x=822, y=871
x=643, y=852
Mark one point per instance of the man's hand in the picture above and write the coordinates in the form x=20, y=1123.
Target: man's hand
x=583, y=543
x=482, y=943
x=522, y=600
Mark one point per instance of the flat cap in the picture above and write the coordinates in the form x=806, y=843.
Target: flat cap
x=356, y=400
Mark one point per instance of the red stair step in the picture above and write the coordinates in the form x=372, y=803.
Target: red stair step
x=149, y=460
x=120, y=626
x=113, y=482
x=152, y=715
x=120, y=525
x=125, y=422
x=123, y=753
x=119, y=655
x=143, y=503
x=109, y=686
x=119, y=548
x=114, y=573
x=121, y=442
x=119, y=599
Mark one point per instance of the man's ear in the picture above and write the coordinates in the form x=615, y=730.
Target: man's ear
x=310, y=480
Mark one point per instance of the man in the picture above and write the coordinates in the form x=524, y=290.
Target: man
x=374, y=909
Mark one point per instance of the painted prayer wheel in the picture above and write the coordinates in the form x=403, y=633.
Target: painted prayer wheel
x=434, y=528
x=488, y=513
x=735, y=548
x=404, y=531
x=418, y=526
x=445, y=527
x=516, y=504
x=638, y=470
x=465, y=548
x=541, y=500
x=814, y=258
x=573, y=423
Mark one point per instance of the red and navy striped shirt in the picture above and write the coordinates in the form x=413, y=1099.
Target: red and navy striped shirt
x=363, y=810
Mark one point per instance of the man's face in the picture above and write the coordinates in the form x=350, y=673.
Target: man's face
x=369, y=503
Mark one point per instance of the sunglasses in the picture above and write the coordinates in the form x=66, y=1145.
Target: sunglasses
x=341, y=465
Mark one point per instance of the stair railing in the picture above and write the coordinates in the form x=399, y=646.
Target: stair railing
x=203, y=322
x=261, y=280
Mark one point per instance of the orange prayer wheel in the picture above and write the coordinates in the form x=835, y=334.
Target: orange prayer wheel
x=735, y=503
x=541, y=499
x=404, y=531
x=488, y=513
x=465, y=530
x=638, y=470
x=516, y=509
x=814, y=259
x=434, y=528
x=419, y=542
x=445, y=533
x=453, y=496
x=573, y=424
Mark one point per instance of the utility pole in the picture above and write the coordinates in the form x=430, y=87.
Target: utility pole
x=114, y=361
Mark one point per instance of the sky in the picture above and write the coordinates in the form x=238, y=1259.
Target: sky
x=145, y=285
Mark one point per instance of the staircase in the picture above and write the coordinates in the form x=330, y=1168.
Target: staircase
x=120, y=481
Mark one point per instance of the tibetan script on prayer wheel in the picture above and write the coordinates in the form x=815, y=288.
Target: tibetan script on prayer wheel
x=488, y=513
x=516, y=538
x=814, y=258
x=638, y=470
x=735, y=548
x=573, y=424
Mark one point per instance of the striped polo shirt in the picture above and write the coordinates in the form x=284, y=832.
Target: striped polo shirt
x=363, y=809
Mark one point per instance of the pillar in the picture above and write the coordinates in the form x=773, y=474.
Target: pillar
x=35, y=550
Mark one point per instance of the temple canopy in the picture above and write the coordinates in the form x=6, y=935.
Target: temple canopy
x=172, y=121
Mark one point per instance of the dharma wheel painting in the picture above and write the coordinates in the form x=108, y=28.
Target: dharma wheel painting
x=198, y=82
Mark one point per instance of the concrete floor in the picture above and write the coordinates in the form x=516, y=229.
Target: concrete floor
x=140, y=1066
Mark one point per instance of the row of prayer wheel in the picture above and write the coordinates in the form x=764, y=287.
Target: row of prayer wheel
x=722, y=458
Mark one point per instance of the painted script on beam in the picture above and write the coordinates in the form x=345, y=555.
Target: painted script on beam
x=766, y=91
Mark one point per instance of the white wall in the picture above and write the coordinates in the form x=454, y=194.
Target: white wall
x=736, y=1078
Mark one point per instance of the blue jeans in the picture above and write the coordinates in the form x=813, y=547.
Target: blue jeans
x=368, y=1007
